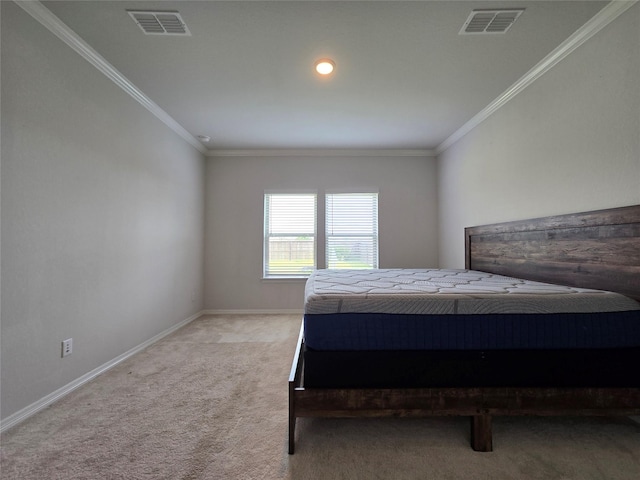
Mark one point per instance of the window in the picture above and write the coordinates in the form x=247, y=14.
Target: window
x=289, y=234
x=352, y=230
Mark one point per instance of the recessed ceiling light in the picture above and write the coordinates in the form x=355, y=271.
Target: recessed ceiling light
x=204, y=138
x=325, y=66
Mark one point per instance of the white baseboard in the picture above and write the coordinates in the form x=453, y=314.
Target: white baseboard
x=254, y=312
x=44, y=402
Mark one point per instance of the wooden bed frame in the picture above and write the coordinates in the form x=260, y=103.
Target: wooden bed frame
x=599, y=249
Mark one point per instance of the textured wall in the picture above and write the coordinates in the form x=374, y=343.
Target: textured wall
x=102, y=217
x=235, y=189
x=568, y=143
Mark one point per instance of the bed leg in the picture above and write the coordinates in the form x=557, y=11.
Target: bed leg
x=292, y=434
x=481, y=436
x=295, y=377
x=292, y=418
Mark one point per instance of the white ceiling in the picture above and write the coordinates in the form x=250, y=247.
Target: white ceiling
x=404, y=79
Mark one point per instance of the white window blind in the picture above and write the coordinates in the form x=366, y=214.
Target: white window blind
x=352, y=230
x=289, y=234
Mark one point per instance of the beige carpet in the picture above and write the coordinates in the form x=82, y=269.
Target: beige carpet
x=210, y=402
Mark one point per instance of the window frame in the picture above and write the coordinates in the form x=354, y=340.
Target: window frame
x=320, y=251
x=267, y=274
x=336, y=223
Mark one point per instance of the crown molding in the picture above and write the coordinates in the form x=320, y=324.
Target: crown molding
x=600, y=20
x=43, y=15
x=319, y=152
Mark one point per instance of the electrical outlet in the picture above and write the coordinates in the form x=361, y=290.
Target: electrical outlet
x=67, y=347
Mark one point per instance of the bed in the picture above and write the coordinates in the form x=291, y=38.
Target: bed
x=543, y=320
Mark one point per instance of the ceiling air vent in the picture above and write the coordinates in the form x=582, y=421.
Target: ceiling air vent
x=490, y=21
x=160, y=23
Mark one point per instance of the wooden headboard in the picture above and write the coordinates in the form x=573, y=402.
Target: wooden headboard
x=599, y=249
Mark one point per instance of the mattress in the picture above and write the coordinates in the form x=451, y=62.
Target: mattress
x=446, y=309
x=466, y=368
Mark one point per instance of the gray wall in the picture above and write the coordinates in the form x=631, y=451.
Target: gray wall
x=234, y=219
x=568, y=143
x=102, y=217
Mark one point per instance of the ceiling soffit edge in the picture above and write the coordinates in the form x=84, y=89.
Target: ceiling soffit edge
x=320, y=152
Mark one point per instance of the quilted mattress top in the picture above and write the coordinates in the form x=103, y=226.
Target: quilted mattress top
x=442, y=291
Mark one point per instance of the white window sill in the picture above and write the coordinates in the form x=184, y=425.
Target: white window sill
x=284, y=279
